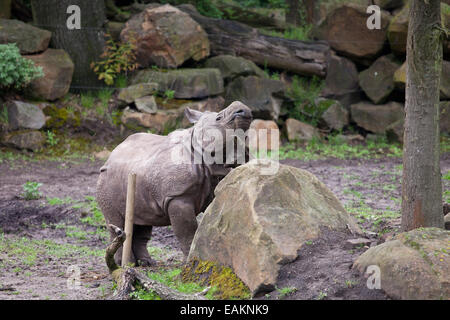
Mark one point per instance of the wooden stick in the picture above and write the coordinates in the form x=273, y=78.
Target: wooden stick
x=129, y=218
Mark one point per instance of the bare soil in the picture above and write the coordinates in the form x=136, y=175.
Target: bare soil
x=37, y=248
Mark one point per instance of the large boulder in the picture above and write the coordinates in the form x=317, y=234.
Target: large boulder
x=28, y=38
x=25, y=140
x=263, y=96
x=186, y=83
x=400, y=79
x=232, y=67
x=300, y=131
x=345, y=28
x=257, y=223
x=341, y=82
x=413, y=266
x=376, y=118
x=58, y=70
x=22, y=115
x=378, y=80
x=336, y=116
x=166, y=37
x=398, y=29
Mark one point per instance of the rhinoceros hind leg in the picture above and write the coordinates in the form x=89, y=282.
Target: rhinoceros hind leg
x=141, y=236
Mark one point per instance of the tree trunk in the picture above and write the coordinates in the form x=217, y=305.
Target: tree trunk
x=293, y=12
x=5, y=9
x=234, y=38
x=84, y=45
x=422, y=189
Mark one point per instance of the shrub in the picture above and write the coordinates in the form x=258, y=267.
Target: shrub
x=304, y=92
x=118, y=57
x=16, y=71
x=31, y=190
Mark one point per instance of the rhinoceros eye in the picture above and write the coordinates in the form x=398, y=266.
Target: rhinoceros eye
x=219, y=118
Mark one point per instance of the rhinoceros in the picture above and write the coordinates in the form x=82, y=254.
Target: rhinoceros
x=168, y=191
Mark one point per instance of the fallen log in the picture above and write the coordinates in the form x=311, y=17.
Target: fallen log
x=234, y=38
x=127, y=278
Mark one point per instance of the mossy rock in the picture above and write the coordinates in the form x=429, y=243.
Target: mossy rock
x=413, y=265
x=61, y=117
x=223, y=281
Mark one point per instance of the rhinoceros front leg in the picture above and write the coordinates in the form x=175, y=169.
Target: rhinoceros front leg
x=184, y=224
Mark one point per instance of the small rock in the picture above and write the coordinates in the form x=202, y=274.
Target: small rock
x=131, y=93
x=336, y=116
x=355, y=243
x=351, y=138
x=263, y=140
x=377, y=81
x=231, y=67
x=376, y=118
x=260, y=94
x=146, y=104
x=25, y=140
x=22, y=115
x=300, y=131
x=185, y=83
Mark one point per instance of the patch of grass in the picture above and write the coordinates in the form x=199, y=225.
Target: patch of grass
x=301, y=33
x=105, y=95
x=170, y=278
x=321, y=296
x=121, y=81
x=58, y=201
x=87, y=100
x=31, y=190
x=30, y=252
x=283, y=292
x=337, y=148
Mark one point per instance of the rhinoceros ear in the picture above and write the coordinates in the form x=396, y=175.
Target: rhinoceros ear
x=192, y=115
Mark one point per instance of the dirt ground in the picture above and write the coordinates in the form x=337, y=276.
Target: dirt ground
x=43, y=244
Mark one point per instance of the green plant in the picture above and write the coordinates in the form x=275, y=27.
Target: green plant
x=4, y=115
x=87, y=100
x=283, y=292
x=117, y=57
x=169, y=94
x=121, y=81
x=31, y=190
x=16, y=71
x=104, y=95
x=52, y=140
x=304, y=92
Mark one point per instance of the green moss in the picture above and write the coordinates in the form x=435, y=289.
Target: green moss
x=224, y=281
x=60, y=117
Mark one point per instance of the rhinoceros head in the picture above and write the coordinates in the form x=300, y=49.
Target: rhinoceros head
x=220, y=131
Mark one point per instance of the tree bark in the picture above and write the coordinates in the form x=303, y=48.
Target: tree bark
x=234, y=38
x=422, y=189
x=310, y=10
x=85, y=45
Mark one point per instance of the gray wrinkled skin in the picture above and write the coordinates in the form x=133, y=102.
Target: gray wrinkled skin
x=167, y=192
